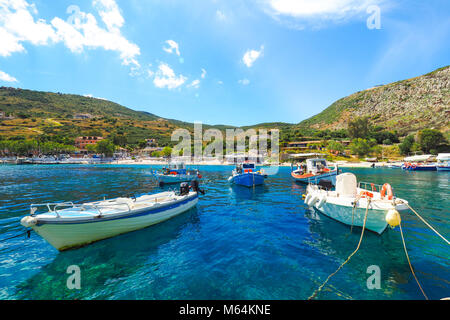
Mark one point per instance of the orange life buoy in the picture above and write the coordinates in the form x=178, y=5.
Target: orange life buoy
x=387, y=189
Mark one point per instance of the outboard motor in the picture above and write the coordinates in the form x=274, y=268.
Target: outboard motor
x=184, y=188
x=195, y=187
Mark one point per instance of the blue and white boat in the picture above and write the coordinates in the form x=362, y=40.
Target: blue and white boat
x=419, y=163
x=246, y=174
x=68, y=225
x=443, y=162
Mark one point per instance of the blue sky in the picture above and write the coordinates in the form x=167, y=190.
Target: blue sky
x=223, y=61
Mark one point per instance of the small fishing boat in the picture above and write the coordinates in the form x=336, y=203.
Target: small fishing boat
x=443, y=162
x=176, y=172
x=67, y=225
x=314, y=171
x=423, y=162
x=349, y=202
x=245, y=174
x=419, y=166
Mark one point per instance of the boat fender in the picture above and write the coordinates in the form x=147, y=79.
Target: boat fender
x=28, y=221
x=313, y=201
x=393, y=218
x=322, y=201
x=308, y=197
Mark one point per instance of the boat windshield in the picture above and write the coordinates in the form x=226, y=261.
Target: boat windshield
x=248, y=166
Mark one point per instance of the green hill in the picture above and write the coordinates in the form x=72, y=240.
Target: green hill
x=406, y=106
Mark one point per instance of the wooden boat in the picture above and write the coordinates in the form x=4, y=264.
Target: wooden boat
x=245, y=174
x=68, y=225
x=349, y=202
x=176, y=172
x=314, y=171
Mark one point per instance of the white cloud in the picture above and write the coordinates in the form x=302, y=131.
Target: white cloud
x=333, y=10
x=165, y=77
x=203, y=73
x=194, y=84
x=244, y=82
x=251, y=56
x=173, y=47
x=18, y=25
x=93, y=97
x=110, y=13
x=80, y=31
x=6, y=77
x=220, y=15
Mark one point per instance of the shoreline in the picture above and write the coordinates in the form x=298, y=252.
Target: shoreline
x=341, y=164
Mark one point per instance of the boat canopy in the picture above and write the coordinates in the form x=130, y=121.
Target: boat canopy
x=419, y=158
x=177, y=165
x=443, y=157
x=346, y=184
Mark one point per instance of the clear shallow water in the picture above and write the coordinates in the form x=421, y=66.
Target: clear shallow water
x=238, y=243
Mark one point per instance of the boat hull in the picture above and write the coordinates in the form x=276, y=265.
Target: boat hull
x=329, y=176
x=65, y=236
x=248, y=179
x=421, y=168
x=169, y=179
x=443, y=168
x=376, y=221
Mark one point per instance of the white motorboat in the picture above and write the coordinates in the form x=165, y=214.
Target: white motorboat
x=443, y=162
x=67, y=225
x=349, y=202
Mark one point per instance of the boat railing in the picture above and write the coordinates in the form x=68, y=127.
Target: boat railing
x=35, y=206
x=370, y=186
x=53, y=207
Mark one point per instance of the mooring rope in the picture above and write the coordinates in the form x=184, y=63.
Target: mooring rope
x=358, y=197
x=409, y=262
x=318, y=290
x=423, y=220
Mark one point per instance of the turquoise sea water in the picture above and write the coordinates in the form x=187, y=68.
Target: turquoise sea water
x=239, y=243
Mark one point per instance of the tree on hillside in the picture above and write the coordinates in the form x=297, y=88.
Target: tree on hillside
x=167, y=152
x=335, y=146
x=362, y=147
x=105, y=147
x=407, y=144
x=359, y=128
x=430, y=139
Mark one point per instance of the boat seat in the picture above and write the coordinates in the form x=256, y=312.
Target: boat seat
x=346, y=185
x=127, y=201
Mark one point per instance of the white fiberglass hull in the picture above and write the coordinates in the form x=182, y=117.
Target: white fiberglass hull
x=64, y=235
x=376, y=219
x=341, y=208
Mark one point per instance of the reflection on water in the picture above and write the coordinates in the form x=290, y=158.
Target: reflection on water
x=239, y=243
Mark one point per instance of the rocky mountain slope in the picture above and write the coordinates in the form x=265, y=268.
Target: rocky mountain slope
x=406, y=106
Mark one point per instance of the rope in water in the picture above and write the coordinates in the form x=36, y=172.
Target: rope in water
x=429, y=226
x=409, y=262
x=349, y=257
